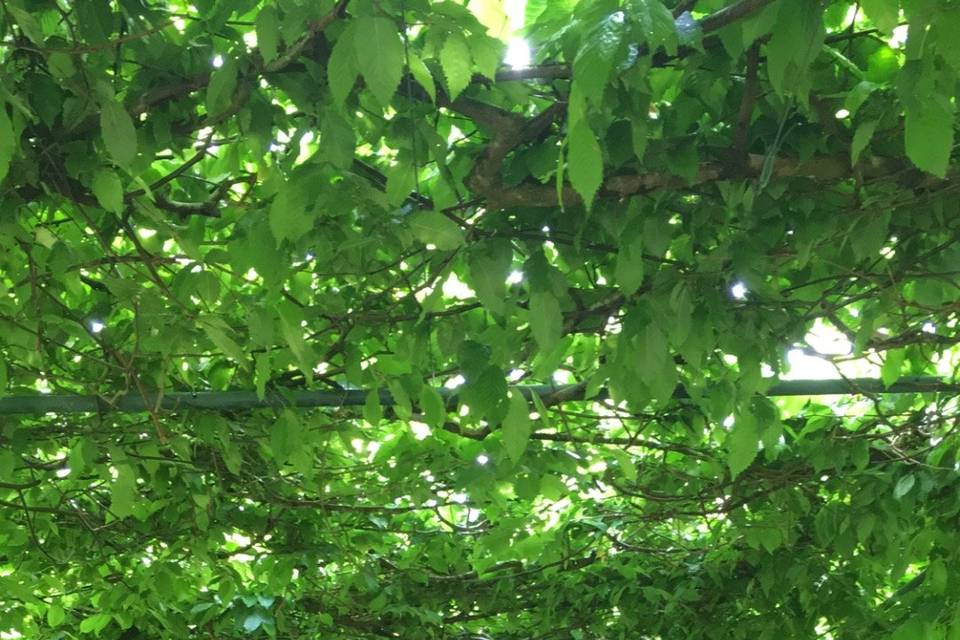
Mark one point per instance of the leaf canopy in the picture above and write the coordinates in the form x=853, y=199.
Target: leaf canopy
x=366, y=197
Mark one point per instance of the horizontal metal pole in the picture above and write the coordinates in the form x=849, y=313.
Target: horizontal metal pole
x=235, y=400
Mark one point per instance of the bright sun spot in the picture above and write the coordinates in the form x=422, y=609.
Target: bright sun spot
x=825, y=339
x=217, y=61
x=482, y=459
x=515, y=277
x=739, y=291
x=518, y=54
x=899, y=36
x=454, y=287
x=803, y=366
x=420, y=430
x=454, y=382
x=829, y=357
x=96, y=326
x=518, y=50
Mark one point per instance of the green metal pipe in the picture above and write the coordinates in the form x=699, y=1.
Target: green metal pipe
x=39, y=404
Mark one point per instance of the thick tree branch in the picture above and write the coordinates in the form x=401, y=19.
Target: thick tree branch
x=683, y=7
x=741, y=140
x=819, y=168
x=730, y=14
x=511, y=132
x=508, y=134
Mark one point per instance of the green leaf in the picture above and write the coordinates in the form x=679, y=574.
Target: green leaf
x=861, y=138
x=435, y=228
x=260, y=322
x=291, y=329
x=8, y=463
x=108, y=190
x=455, y=61
x=95, y=623
x=553, y=487
x=55, y=615
x=597, y=55
x=892, y=365
x=487, y=54
x=379, y=56
x=486, y=393
x=546, y=320
x=656, y=24
x=626, y=464
x=268, y=32
x=770, y=538
x=516, y=426
x=936, y=577
x=223, y=84
x=433, y=407
x=904, y=484
x=794, y=45
x=489, y=266
x=261, y=374
x=541, y=409
x=337, y=140
x=285, y=436
x=8, y=142
x=289, y=216
x=372, y=411
x=61, y=65
x=885, y=14
x=947, y=24
x=630, y=262
x=929, y=134
x=422, y=75
x=207, y=286
x=27, y=22
x=253, y=622
x=83, y=455
x=584, y=162
x=870, y=234
x=858, y=95
x=342, y=70
x=119, y=134
x=401, y=400
x=491, y=14
x=219, y=333
x=656, y=367
x=742, y=443
x=401, y=181
x=123, y=491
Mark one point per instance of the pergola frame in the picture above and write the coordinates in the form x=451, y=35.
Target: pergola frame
x=39, y=404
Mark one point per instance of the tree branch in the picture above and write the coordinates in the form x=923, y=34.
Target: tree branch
x=160, y=95
x=741, y=139
x=819, y=168
x=729, y=15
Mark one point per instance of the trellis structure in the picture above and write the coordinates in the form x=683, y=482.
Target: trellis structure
x=549, y=395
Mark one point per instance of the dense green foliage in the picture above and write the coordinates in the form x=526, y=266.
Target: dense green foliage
x=269, y=195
